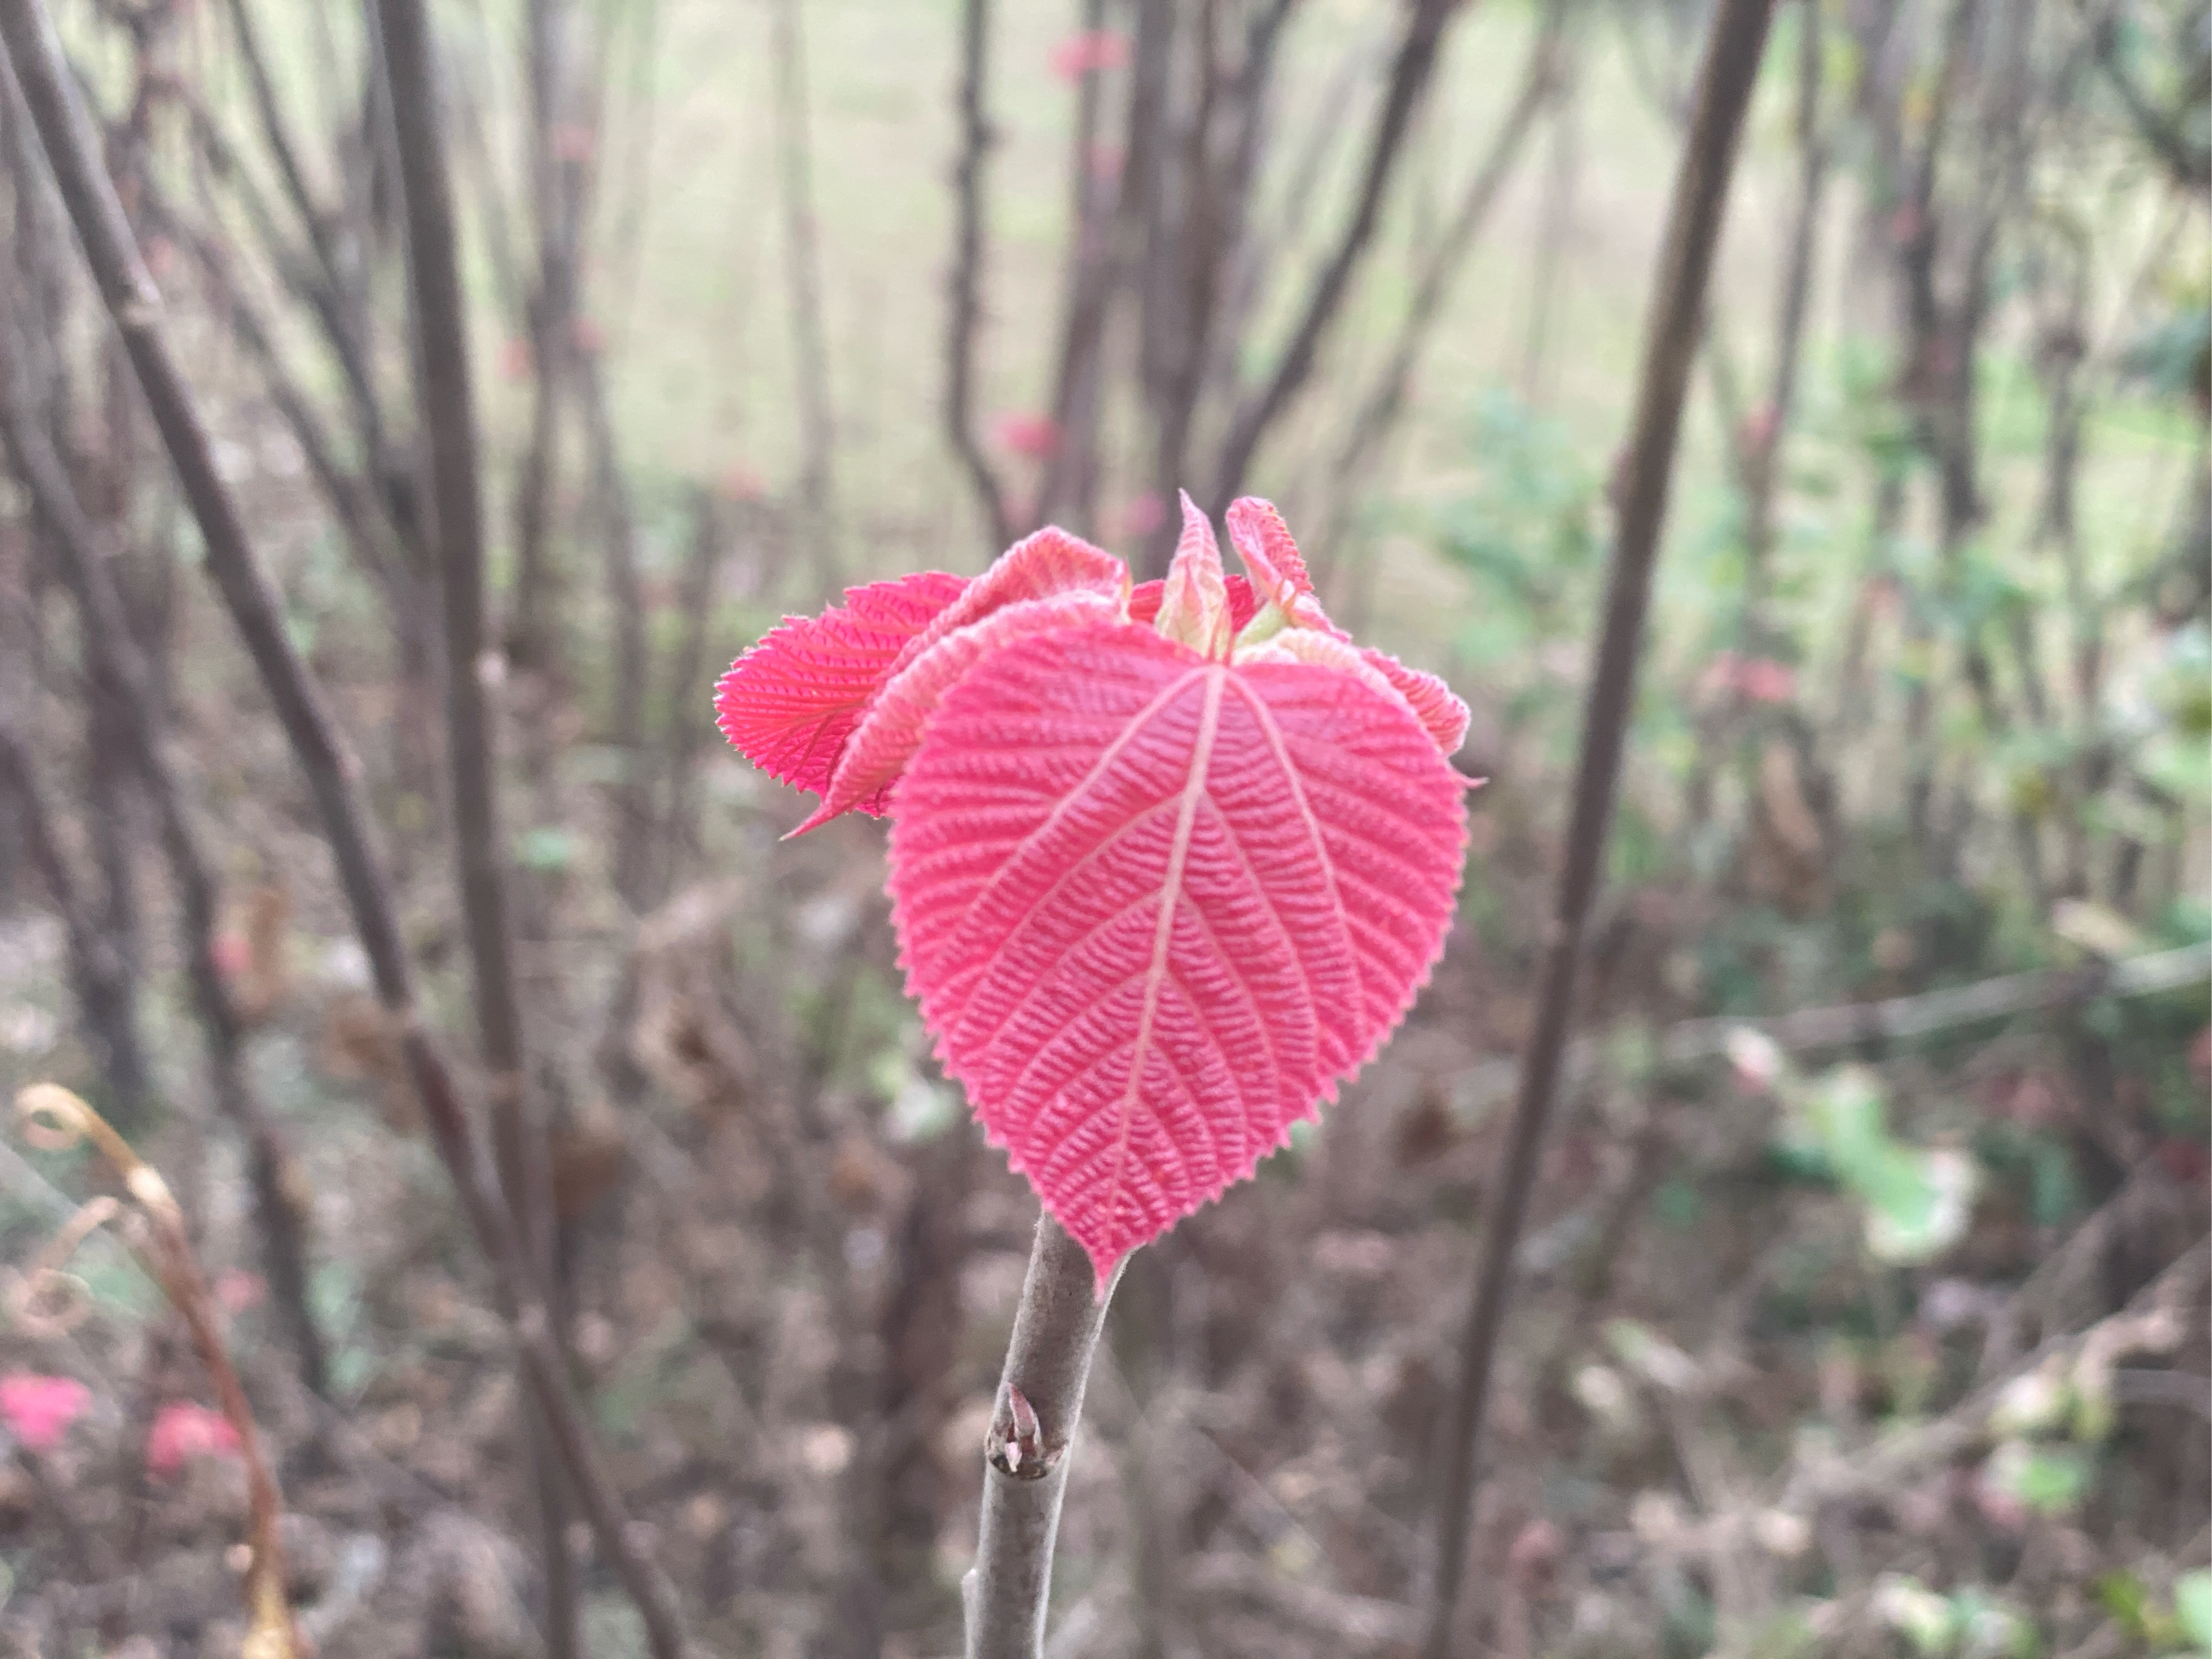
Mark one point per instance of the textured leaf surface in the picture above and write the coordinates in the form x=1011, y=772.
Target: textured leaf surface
x=1435, y=704
x=1156, y=907
x=1422, y=696
x=1050, y=565
x=890, y=726
x=790, y=702
x=1426, y=697
x=1038, y=567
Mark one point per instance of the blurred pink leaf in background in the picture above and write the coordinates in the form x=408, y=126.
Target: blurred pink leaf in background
x=38, y=1410
x=182, y=1431
x=1088, y=52
x=1027, y=433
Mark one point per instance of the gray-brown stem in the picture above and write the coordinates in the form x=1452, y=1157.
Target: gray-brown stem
x=809, y=332
x=1026, y=1455
x=454, y=505
x=966, y=287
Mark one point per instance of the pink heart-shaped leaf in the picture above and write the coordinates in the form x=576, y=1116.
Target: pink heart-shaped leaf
x=1156, y=907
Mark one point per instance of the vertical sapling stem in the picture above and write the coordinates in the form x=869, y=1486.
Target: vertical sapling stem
x=1027, y=1451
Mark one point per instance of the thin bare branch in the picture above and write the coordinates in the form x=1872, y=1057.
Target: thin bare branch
x=1901, y=1018
x=352, y=505
x=966, y=279
x=105, y=994
x=65, y=1119
x=2160, y=1309
x=630, y=667
x=118, y=668
x=1198, y=218
x=1557, y=193
x=1891, y=1021
x=1070, y=481
x=1379, y=412
x=1138, y=203
x=632, y=172
x=341, y=324
x=1730, y=68
x=683, y=709
x=1410, y=74
x=803, y=263
x=531, y=640
x=455, y=513
x=277, y=132
x=1762, y=447
x=2166, y=134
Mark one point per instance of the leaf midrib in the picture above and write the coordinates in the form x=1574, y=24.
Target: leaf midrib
x=1194, y=792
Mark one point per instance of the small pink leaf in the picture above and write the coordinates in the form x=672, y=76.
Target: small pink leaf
x=890, y=728
x=789, y=703
x=1029, y=433
x=1047, y=565
x=1263, y=541
x=1195, y=602
x=1243, y=603
x=1278, y=570
x=1305, y=645
x=1088, y=52
x=1156, y=908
